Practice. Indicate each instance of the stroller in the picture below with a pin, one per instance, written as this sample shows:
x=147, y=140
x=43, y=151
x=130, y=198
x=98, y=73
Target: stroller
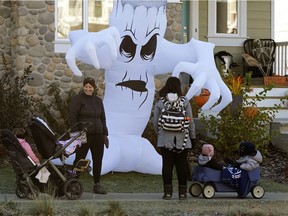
x=62, y=180
x=207, y=181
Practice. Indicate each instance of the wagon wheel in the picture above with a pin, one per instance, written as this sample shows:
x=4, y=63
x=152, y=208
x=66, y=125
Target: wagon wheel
x=73, y=189
x=195, y=189
x=208, y=190
x=258, y=192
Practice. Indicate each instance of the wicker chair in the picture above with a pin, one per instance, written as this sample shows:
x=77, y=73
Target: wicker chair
x=258, y=56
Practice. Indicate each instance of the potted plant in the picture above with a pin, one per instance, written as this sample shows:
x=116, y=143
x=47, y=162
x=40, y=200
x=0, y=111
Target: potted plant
x=276, y=80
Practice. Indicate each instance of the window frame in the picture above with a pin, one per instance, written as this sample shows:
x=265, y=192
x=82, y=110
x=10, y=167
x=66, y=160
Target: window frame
x=62, y=45
x=220, y=39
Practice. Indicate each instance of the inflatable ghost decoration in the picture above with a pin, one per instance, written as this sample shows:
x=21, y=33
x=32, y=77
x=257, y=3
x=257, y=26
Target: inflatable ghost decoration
x=132, y=50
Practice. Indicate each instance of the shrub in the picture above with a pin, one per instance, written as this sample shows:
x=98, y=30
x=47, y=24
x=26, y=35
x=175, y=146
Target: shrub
x=17, y=106
x=59, y=102
x=235, y=124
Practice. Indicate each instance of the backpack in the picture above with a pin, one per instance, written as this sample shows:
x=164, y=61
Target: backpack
x=173, y=116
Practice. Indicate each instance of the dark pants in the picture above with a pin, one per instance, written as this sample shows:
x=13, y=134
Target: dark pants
x=95, y=142
x=171, y=159
x=243, y=184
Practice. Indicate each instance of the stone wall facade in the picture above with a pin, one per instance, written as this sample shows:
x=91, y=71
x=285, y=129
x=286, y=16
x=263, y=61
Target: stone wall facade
x=27, y=31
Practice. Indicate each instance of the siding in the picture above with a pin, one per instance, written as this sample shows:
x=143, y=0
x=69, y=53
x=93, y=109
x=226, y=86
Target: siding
x=259, y=19
x=258, y=26
x=203, y=20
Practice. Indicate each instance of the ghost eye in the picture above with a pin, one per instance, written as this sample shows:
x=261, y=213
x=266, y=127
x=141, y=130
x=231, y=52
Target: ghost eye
x=127, y=48
x=148, y=50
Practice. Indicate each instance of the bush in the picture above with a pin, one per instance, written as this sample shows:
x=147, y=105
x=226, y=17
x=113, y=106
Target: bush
x=17, y=107
x=235, y=124
x=59, y=102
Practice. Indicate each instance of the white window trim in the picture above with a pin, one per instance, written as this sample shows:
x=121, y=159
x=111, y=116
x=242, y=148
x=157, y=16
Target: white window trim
x=227, y=39
x=62, y=45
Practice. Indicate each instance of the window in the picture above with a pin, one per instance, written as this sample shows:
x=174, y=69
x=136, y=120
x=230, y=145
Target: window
x=92, y=15
x=227, y=22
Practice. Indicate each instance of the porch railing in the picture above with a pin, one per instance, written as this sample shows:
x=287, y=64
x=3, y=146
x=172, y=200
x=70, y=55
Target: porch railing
x=281, y=59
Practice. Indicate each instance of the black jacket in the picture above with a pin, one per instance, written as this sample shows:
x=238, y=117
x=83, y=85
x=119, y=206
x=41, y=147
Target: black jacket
x=88, y=108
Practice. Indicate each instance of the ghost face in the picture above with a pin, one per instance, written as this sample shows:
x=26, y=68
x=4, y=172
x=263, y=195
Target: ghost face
x=141, y=29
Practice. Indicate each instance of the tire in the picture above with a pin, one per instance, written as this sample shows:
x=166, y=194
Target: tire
x=208, y=191
x=258, y=192
x=29, y=194
x=20, y=192
x=195, y=189
x=73, y=189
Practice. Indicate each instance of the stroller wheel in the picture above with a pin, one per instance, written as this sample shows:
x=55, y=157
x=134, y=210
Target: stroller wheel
x=29, y=194
x=258, y=192
x=195, y=189
x=208, y=190
x=19, y=191
x=73, y=189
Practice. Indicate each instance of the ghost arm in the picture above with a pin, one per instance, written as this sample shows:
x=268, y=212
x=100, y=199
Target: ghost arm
x=205, y=75
x=95, y=48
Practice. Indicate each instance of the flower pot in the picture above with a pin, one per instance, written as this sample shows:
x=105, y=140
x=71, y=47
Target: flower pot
x=276, y=80
x=200, y=100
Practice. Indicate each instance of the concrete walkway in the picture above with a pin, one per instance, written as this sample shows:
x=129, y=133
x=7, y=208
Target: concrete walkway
x=153, y=197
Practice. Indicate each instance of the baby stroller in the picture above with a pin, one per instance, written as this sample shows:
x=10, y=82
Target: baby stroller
x=61, y=178
x=207, y=181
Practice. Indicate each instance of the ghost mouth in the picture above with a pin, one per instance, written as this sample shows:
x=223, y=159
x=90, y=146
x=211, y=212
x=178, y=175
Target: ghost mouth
x=134, y=85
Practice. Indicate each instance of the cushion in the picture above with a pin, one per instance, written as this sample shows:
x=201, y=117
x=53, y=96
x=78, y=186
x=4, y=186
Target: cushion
x=251, y=61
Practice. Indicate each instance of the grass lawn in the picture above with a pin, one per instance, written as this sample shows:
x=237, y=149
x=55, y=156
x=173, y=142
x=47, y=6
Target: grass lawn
x=123, y=182
x=137, y=182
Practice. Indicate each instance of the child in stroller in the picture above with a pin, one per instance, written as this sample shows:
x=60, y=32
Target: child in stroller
x=233, y=178
x=61, y=182
x=21, y=134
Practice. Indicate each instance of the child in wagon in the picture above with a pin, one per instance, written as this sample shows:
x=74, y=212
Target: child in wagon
x=250, y=159
x=206, y=158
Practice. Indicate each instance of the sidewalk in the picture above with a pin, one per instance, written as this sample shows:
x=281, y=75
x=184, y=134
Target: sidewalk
x=153, y=197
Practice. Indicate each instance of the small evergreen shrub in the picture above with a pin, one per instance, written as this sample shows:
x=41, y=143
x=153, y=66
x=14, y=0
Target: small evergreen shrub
x=59, y=102
x=17, y=106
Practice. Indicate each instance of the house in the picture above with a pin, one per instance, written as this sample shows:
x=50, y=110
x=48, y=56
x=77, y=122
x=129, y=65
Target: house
x=35, y=32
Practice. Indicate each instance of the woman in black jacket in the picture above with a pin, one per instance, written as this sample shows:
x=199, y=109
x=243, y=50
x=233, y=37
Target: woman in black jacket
x=87, y=107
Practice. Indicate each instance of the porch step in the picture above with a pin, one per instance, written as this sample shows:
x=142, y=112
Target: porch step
x=273, y=97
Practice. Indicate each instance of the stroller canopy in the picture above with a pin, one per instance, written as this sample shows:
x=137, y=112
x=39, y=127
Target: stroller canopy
x=43, y=136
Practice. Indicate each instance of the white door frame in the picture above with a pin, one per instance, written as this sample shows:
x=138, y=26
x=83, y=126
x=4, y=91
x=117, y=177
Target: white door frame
x=194, y=19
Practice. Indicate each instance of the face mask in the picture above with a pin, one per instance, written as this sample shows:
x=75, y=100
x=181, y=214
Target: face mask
x=172, y=97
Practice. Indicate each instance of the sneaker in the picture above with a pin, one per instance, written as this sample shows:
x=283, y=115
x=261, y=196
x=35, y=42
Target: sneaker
x=98, y=189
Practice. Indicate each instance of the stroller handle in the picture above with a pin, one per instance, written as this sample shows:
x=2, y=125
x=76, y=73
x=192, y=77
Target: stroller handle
x=79, y=126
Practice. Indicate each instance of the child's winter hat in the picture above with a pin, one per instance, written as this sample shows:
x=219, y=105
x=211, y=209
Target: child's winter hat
x=208, y=150
x=89, y=80
x=247, y=148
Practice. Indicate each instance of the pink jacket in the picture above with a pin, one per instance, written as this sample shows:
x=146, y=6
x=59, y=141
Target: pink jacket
x=25, y=145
